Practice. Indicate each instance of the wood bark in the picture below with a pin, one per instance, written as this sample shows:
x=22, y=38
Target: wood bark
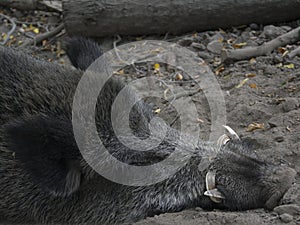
x=33, y=4
x=138, y=17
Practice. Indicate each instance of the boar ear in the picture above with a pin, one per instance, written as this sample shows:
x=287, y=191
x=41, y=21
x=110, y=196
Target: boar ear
x=46, y=148
x=82, y=52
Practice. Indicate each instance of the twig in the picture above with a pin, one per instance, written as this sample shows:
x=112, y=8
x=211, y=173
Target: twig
x=175, y=120
x=116, y=50
x=12, y=30
x=183, y=94
x=44, y=36
x=295, y=52
x=229, y=56
x=173, y=97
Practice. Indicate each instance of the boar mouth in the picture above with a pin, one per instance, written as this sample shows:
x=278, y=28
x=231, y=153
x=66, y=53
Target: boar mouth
x=211, y=191
x=210, y=179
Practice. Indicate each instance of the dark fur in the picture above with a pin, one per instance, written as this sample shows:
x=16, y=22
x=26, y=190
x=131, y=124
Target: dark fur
x=82, y=52
x=45, y=180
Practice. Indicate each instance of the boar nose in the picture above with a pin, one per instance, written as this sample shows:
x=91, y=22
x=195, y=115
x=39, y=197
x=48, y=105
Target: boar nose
x=282, y=180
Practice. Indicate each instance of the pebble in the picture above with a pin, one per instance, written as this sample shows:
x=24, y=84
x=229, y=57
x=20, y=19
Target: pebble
x=254, y=26
x=251, y=43
x=216, y=37
x=277, y=59
x=198, y=46
x=273, y=32
x=245, y=36
x=286, y=28
x=286, y=218
x=198, y=209
x=269, y=70
x=290, y=104
x=215, y=47
x=279, y=139
x=205, y=55
x=186, y=41
x=291, y=209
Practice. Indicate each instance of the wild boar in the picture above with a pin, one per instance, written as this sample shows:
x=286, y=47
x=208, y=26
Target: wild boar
x=45, y=179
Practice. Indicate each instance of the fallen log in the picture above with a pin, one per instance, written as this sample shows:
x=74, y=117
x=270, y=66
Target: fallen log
x=139, y=17
x=52, y=5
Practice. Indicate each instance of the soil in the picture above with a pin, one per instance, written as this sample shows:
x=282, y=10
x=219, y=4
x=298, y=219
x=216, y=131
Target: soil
x=262, y=98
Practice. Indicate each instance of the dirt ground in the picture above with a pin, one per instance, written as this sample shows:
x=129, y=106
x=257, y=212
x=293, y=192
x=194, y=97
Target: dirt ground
x=263, y=93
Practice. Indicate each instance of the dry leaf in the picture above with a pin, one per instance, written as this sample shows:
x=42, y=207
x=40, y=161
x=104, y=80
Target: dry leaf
x=219, y=70
x=178, y=76
x=289, y=66
x=44, y=42
x=230, y=41
x=120, y=72
x=240, y=45
x=200, y=120
x=252, y=61
x=255, y=126
x=253, y=85
x=156, y=67
x=250, y=75
x=281, y=50
x=157, y=111
x=279, y=65
x=242, y=83
x=36, y=30
x=285, y=53
x=165, y=93
x=139, y=38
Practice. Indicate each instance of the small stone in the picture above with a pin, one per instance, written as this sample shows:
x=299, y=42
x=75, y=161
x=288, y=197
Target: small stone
x=205, y=55
x=277, y=59
x=215, y=47
x=269, y=70
x=186, y=41
x=286, y=28
x=198, y=209
x=245, y=36
x=198, y=46
x=286, y=218
x=291, y=209
x=254, y=26
x=216, y=37
x=273, y=32
x=290, y=104
x=251, y=43
x=18, y=14
x=279, y=139
x=273, y=123
x=53, y=20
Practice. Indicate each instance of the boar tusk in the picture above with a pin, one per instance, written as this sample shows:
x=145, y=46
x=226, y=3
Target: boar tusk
x=213, y=193
x=232, y=133
x=223, y=140
x=210, y=180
